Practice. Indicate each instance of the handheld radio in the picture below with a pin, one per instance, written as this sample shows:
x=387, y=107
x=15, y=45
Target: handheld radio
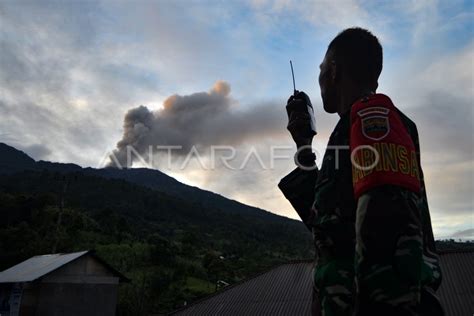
x=309, y=107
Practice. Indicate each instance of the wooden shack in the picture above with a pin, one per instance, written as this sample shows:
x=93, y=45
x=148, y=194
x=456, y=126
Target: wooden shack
x=77, y=283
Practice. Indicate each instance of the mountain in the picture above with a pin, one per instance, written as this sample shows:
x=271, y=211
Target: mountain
x=172, y=240
x=13, y=160
x=159, y=181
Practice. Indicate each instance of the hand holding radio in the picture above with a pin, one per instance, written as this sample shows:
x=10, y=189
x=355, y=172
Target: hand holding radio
x=301, y=122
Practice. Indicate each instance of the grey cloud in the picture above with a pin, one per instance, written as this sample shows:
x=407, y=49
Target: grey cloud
x=201, y=119
x=168, y=45
x=437, y=94
x=37, y=151
x=464, y=233
x=47, y=134
x=439, y=98
x=51, y=58
x=114, y=55
x=26, y=69
x=445, y=125
x=39, y=42
x=450, y=187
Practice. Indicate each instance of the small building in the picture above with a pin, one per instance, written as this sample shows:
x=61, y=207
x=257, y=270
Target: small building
x=287, y=290
x=77, y=283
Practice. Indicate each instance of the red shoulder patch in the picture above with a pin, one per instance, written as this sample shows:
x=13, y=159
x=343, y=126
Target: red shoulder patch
x=382, y=151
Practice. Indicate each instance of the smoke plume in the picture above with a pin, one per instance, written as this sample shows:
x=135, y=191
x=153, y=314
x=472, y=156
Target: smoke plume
x=201, y=119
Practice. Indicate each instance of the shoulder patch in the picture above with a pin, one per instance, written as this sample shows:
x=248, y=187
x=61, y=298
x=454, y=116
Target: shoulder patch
x=374, y=122
x=382, y=151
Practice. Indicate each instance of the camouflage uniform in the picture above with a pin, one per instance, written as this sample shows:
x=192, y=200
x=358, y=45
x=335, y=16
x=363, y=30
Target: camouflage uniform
x=381, y=237
x=333, y=226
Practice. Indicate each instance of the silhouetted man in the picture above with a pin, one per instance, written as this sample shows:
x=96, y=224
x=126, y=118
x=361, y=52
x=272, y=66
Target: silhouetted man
x=366, y=207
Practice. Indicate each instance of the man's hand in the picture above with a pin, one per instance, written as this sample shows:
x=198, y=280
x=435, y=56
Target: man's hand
x=299, y=120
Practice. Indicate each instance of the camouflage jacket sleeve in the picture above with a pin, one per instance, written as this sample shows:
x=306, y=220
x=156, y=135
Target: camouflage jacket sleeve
x=388, y=187
x=298, y=188
x=431, y=270
x=389, y=243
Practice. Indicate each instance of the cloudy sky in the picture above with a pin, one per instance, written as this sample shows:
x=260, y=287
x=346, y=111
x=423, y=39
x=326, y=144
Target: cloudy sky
x=78, y=77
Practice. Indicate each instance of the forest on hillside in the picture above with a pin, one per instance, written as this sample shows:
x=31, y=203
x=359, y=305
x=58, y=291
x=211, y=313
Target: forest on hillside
x=174, y=251
x=174, y=242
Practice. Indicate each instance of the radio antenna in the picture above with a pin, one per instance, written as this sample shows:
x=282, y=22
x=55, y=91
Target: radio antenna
x=293, y=76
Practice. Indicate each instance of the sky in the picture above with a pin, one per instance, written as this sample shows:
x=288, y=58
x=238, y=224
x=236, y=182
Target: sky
x=80, y=79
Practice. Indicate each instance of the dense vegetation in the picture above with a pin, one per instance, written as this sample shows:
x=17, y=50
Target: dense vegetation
x=453, y=245
x=174, y=242
x=173, y=250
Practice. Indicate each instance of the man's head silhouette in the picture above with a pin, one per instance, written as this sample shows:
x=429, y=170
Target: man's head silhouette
x=351, y=67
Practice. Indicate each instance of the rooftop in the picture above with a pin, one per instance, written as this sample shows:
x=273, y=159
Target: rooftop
x=287, y=289
x=39, y=266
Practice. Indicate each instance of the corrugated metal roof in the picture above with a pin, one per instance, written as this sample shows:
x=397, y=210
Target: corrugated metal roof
x=457, y=287
x=287, y=290
x=284, y=290
x=38, y=266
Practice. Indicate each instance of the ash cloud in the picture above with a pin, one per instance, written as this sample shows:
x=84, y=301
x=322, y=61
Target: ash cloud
x=200, y=119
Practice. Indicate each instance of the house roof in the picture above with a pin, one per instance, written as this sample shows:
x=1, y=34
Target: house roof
x=39, y=266
x=287, y=289
x=284, y=290
x=457, y=287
